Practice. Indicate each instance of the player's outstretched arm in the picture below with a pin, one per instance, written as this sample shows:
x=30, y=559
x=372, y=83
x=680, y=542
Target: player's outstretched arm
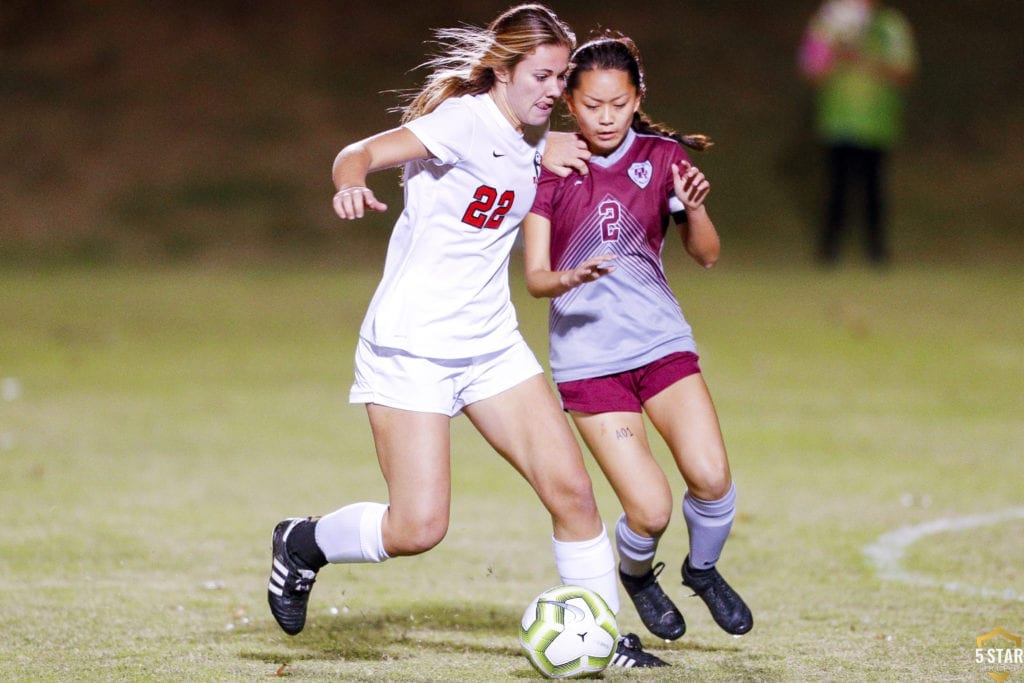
x=384, y=150
x=541, y=281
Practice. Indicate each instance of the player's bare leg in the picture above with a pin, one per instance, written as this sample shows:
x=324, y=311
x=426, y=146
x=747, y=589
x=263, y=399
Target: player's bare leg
x=685, y=416
x=413, y=452
x=618, y=441
x=413, y=449
x=526, y=425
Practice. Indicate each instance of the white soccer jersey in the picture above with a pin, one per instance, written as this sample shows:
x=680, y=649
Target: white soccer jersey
x=445, y=292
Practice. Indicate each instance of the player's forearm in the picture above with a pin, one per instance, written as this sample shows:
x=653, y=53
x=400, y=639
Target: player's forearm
x=384, y=150
x=351, y=166
x=700, y=238
x=547, y=283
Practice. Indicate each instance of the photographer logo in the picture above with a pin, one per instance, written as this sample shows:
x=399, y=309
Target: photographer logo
x=999, y=650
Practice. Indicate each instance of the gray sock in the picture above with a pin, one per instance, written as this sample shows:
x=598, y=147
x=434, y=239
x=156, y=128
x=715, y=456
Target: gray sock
x=636, y=552
x=709, y=523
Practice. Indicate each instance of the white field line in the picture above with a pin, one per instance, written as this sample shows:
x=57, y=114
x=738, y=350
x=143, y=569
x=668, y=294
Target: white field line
x=886, y=553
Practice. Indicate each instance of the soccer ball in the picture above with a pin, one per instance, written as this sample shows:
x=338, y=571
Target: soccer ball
x=568, y=631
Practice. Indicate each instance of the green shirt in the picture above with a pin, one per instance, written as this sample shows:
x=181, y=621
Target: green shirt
x=857, y=104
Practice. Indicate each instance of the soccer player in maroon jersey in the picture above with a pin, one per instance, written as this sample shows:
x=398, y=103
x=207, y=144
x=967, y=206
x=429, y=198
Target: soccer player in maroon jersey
x=620, y=345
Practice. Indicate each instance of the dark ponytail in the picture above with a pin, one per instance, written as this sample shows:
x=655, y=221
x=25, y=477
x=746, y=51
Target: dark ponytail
x=695, y=141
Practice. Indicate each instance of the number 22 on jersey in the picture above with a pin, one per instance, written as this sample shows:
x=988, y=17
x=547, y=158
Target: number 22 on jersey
x=488, y=209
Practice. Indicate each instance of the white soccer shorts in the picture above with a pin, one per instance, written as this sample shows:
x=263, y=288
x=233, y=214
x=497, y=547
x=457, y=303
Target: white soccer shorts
x=394, y=378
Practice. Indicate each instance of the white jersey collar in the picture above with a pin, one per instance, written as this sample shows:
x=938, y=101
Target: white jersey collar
x=619, y=152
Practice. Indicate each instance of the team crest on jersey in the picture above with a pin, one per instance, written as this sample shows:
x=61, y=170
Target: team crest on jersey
x=640, y=173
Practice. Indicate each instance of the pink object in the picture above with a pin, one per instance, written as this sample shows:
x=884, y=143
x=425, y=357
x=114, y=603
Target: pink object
x=815, y=56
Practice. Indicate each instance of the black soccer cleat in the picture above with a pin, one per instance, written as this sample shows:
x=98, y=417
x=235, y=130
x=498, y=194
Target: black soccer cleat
x=290, y=581
x=656, y=610
x=630, y=654
x=726, y=606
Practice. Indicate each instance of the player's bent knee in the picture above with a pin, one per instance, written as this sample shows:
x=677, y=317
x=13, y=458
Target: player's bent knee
x=417, y=539
x=414, y=545
x=577, y=495
x=650, y=522
x=712, y=491
x=711, y=484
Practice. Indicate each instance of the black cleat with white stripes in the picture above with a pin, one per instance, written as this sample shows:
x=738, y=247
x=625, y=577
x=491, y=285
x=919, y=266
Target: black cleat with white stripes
x=290, y=581
x=630, y=654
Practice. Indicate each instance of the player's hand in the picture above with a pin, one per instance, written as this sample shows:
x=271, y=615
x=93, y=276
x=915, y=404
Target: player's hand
x=353, y=202
x=565, y=153
x=690, y=184
x=592, y=269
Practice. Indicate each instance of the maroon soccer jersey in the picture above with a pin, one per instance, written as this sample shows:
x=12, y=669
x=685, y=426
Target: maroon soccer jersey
x=630, y=317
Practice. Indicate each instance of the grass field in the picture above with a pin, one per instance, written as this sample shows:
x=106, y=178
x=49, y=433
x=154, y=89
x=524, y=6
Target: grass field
x=155, y=424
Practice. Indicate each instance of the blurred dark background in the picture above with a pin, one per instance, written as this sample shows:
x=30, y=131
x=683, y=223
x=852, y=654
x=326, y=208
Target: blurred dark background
x=205, y=131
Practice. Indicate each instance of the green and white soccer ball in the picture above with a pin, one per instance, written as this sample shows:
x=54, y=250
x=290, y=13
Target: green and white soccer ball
x=568, y=631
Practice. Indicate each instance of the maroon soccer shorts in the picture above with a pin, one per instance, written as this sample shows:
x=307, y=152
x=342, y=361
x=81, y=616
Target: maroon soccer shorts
x=627, y=391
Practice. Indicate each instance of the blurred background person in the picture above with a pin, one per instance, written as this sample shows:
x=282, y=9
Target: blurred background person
x=860, y=56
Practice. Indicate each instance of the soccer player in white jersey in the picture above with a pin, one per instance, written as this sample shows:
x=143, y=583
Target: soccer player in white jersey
x=441, y=337
x=620, y=345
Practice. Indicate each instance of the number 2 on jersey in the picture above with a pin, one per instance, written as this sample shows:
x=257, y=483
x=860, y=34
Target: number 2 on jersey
x=609, y=213
x=487, y=210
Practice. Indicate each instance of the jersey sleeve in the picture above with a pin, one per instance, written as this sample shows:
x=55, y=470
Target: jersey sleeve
x=446, y=132
x=543, y=203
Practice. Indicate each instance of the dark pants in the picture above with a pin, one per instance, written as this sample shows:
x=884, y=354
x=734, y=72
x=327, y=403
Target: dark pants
x=855, y=169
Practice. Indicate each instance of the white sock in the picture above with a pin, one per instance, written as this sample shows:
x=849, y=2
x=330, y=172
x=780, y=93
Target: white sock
x=636, y=552
x=590, y=564
x=352, y=534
